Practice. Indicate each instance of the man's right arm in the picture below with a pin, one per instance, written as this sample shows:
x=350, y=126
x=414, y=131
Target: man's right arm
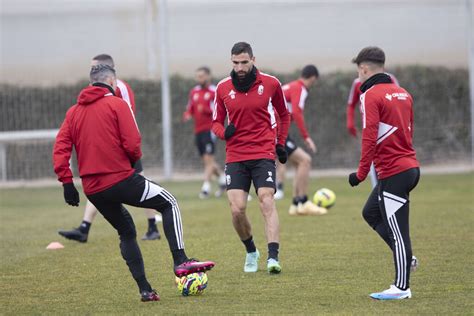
x=218, y=116
x=128, y=130
x=188, y=113
x=370, y=124
x=62, y=151
x=352, y=101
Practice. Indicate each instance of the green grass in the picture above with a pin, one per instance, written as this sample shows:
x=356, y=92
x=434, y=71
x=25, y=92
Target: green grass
x=330, y=263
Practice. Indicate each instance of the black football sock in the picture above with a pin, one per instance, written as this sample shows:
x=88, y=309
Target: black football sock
x=152, y=225
x=303, y=199
x=273, y=250
x=84, y=227
x=179, y=256
x=249, y=245
x=143, y=284
x=296, y=200
x=280, y=186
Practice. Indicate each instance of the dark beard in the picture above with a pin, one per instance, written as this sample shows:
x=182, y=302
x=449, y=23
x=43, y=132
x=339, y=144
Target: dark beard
x=244, y=84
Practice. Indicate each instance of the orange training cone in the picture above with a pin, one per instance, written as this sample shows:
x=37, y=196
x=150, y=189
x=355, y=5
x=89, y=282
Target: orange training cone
x=55, y=245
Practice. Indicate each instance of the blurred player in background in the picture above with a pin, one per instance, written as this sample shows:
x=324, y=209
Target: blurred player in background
x=102, y=129
x=387, y=141
x=200, y=107
x=296, y=93
x=81, y=233
x=352, y=101
x=249, y=99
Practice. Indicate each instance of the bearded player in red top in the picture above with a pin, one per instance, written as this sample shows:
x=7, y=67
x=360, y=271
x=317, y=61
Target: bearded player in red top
x=387, y=141
x=200, y=107
x=352, y=101
x=249, y=99
x=296, y=93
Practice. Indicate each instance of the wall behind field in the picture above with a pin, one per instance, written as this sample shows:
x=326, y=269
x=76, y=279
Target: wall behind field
x=51, y=41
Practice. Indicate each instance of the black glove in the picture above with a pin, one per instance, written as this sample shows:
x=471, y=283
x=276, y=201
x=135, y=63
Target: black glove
x=229, y=131
x=282, y=154
x=353, y=180
x=71, y=196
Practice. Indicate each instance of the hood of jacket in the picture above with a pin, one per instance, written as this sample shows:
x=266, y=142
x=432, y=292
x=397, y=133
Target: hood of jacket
x=93, y=93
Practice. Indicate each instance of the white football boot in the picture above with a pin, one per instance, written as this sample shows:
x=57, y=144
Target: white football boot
x=251, y=261
x=393, y=293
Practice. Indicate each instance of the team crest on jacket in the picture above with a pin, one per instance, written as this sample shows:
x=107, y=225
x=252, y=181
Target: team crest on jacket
x=260, y=90
x=207, y=95
x=232, y=94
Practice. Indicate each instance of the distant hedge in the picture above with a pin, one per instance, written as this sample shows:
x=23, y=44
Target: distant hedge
x=442, y=118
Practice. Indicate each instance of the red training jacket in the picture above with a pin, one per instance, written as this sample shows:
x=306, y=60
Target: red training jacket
x=354, y=98
x=387, y=131
x=253, y=114
x=103, y=131
x=200, y=106
x=126, y=93
x=295, y=95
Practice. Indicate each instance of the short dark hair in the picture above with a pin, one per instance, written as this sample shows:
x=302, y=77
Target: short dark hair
x=370, y=54
x=100, y=72
x=105, y=59
x=309, y=71
x=206, y=69
x=240, y=48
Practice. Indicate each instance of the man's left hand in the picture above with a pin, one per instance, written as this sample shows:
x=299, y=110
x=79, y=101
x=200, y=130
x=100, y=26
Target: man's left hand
x=353, y=180
x=281, y=153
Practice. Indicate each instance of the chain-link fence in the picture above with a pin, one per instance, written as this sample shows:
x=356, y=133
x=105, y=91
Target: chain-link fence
x=442, y=121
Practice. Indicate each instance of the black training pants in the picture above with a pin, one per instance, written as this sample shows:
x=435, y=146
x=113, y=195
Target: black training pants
x=387, y=212
x=140, y=192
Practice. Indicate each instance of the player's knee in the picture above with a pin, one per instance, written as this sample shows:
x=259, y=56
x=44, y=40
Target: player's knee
x=307, y=160
x=128, y=233
x=237, y=208
x=369, y=218
x=266, y=200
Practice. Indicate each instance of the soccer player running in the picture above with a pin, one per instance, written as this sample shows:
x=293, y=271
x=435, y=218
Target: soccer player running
x=296, y=93
x=81, y=233
x=249, y=98
x=200, y=107
x=387, y=140
x=352, y=101
x=102, y=129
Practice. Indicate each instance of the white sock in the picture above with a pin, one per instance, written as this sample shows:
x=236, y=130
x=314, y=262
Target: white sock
x=206, y=186
x=222, y=179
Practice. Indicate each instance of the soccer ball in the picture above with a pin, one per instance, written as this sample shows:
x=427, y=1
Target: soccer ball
x=324, y=198
x=192, y=284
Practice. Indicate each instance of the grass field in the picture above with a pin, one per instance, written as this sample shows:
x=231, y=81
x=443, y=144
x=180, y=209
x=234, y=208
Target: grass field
x=330, y=263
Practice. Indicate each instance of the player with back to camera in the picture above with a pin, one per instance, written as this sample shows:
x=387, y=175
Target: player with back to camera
x=296, y=93
x=249, y=99
x=81, y=233
x=200, y=107
x=102, y=130
x=352, y=101
x=387, y=140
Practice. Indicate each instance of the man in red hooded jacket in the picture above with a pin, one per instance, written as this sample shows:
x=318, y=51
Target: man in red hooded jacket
x=81, y=233
x=387, y=141
x=102, y=129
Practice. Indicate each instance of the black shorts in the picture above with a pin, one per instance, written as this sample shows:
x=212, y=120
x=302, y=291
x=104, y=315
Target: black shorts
x=261, y=172
x=138, y=166
x=290, y=145
x=206, y=143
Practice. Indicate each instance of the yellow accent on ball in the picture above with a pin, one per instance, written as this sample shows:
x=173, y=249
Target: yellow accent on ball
x=192, y=284
x=324, y=198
